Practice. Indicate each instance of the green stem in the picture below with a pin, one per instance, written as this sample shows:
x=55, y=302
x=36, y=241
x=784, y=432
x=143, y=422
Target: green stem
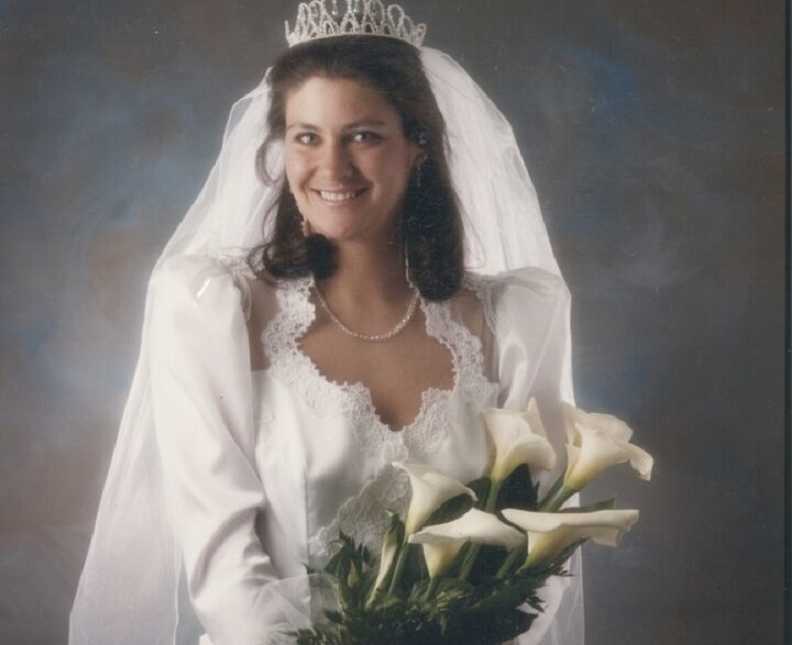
x=372, y=597
x=551, y=493
x=508, y=563
x=492, y=496
x=489, y=507
x=430, y=591
x=401, y=560
x=555, y=500
x=375, y=593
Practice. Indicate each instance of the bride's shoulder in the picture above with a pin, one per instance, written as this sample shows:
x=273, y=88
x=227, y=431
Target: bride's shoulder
x=190, y=270
x=527, y=295
x=529, y=282
x=198, y=276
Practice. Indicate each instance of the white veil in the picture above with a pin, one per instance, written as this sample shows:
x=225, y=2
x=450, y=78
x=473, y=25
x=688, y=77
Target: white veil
x=129, y=588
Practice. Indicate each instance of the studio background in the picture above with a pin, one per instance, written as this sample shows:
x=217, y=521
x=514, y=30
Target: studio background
x=654, y=132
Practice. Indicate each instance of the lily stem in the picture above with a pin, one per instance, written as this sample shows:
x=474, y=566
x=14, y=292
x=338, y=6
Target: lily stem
x=492, y=495
x=432, y=588
x=374, y=596
x=508, y=563
x=555, y=500
x=489, y=507
x=551, y=493
x=401, y=560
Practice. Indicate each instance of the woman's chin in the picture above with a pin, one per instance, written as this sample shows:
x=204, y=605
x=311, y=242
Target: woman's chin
x=343, y=236
x=343, y=227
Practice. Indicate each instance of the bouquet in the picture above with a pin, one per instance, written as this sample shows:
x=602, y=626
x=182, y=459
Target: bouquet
x=467, y=558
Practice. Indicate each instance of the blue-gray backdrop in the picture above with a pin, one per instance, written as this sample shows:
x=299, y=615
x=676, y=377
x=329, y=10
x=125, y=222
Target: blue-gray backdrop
x=655, y=135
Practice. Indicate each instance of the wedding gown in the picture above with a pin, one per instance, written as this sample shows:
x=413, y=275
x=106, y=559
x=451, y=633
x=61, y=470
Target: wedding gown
x=261, y=469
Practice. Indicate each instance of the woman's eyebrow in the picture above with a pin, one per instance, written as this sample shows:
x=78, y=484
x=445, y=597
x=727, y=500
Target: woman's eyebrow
x=302, y=126
x=365, y=123
x=351, y=126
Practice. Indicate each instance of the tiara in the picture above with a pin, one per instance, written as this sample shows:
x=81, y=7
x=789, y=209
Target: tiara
x=323, y=19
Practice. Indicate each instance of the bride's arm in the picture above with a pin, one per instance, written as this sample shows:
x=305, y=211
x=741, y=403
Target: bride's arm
x=201, y=395
x=530, y=311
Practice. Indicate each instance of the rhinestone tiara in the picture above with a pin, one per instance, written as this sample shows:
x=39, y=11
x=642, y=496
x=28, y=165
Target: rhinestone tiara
x=323, y=19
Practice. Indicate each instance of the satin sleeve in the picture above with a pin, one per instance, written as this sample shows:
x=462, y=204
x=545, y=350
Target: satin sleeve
x=203, y=415
x=529, y=312
x=529, y=315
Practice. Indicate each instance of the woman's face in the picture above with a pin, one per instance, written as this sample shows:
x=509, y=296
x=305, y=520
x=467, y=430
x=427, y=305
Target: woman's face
x=348, y=161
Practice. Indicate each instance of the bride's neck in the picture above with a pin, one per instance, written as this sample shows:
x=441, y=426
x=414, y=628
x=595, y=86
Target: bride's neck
x=368, y=275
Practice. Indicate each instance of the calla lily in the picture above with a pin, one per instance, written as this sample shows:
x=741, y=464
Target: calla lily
x=439, y=556
x=430, y=489
x=597, y=441
x=442, y=542
x=390, y=549
x=519, y=438
x=551, y=533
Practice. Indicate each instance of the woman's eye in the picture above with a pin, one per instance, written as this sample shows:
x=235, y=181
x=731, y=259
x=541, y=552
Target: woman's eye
x=366, y=137
x=305, y=138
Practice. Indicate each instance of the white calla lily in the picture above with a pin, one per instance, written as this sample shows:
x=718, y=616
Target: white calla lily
x=597, y=441
x=442, y=542
x=551, y=533
x=519, y=438
x=440, y=555
x=390, y=549
x=430, y=489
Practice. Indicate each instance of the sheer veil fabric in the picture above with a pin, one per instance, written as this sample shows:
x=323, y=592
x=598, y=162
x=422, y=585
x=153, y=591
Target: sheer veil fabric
x=128, y=592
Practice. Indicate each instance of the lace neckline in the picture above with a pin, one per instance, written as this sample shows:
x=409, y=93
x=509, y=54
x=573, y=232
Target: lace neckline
x=421, y=440
x=282, y=339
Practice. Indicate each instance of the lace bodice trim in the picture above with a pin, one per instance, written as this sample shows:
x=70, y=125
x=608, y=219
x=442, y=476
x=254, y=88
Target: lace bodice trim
x=361, y=516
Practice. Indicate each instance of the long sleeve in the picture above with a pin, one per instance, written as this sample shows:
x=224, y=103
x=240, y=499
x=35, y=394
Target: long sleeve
x=203, y=415
x=530, y=312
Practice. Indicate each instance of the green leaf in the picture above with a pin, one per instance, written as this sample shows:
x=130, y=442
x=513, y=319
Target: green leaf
x=335, y=616
x=481, y=487
x=414, y=567
x=518, y=491
x=488, y=561
x=396, y=526
x=460, y=612
x=450, y=510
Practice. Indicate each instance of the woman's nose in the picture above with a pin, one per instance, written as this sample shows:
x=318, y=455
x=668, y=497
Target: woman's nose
x=336, y=162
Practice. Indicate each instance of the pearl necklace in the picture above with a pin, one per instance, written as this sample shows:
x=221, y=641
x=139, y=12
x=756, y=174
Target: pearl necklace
x=376, y=338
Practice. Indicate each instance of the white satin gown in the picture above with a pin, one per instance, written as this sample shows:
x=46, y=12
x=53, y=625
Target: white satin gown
x=262, y=469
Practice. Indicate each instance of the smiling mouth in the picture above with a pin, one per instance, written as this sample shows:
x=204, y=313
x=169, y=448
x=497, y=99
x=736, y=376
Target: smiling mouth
x=339, y=197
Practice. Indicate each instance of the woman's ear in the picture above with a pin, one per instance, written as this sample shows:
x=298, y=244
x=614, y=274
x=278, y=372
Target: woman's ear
x=419, y=157
x=418, y=152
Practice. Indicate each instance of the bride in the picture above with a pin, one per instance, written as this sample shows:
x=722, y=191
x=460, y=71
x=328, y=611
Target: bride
x=365, y=269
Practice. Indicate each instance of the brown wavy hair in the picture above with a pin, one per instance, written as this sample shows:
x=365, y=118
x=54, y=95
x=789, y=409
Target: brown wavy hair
x=431, y=227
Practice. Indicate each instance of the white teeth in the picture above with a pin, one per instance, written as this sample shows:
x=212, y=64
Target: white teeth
x=337, y=197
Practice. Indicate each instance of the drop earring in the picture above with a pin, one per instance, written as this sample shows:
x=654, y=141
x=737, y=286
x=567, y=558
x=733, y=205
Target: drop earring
x=305, y=225
x=406, y=250
x=419, y=171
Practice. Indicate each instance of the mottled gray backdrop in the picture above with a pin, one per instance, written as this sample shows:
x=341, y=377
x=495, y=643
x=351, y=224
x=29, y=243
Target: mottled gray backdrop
x=654, y=132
